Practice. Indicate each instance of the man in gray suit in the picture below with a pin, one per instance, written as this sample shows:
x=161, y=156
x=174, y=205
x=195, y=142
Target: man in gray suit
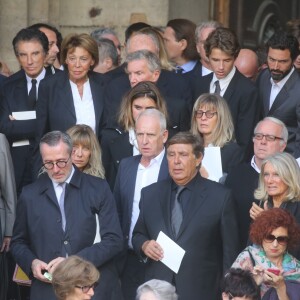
x=279, y=87
x=134, y=173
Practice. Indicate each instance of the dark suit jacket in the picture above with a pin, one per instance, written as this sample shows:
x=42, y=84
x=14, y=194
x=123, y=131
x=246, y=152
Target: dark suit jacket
x=38, y=231
x=125, y=186
x=2, y=79
x=175, y=90
x=14, y=98
x=231, y=155
x=286, y=107
x=241, y=97
x=55, y=107
x=243, y=180
x=208, y=234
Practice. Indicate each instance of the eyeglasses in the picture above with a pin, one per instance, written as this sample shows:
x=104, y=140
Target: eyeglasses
x=209, y=114
x=282, y=240
x=86, y=288
x=269, y=138
x=60, y=163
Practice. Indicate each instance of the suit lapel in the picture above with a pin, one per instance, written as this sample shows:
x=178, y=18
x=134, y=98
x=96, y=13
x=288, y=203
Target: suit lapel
x=164, y=170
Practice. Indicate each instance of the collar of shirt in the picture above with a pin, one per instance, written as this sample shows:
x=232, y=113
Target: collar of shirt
x=283, y=81
x=189, y=66
x=190, y=185
x=55, y=184
x=254, y=165
x=156, y=160
x=205, y=71
x=224, y=82
x=38, y=79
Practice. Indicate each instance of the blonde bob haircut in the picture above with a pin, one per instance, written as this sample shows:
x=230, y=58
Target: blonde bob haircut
x=144, y=89
x=84, y=135
x=288, y=171
x=71, y=272
x=83, y=40
x=224, y=130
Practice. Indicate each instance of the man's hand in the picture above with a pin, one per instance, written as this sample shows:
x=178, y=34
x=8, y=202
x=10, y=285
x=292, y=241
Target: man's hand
x=54, y=263
x=5, y=244
x=37, y=267
x=153, y=250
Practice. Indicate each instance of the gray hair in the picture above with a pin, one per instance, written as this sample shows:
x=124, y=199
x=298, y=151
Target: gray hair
x=53, y=138
x=107, y=49
x=162, y=290
x=203, y=25
x=284, y=131
x=99, y=33
x=288, y=171
x=153, y=112
x=152, y=59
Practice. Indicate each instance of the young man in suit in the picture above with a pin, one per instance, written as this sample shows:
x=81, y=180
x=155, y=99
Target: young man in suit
x=222, y=48
x=56, y=218
x=201, y=220
x=134, y=173
x=19, y=94
x=279, y=87
x=243, y=179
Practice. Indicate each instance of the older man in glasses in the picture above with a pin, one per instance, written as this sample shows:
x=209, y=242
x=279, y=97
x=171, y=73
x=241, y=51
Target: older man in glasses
x=56, y=218
x=270, y=136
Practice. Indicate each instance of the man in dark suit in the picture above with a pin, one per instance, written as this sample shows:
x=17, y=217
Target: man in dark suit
x=202, y=220
x=279, y=87
x=56, y=218
x=134, y=173
x=2, y=79
x=169, y=84
x=19, y=94
x=222, y=48
x=270, y=137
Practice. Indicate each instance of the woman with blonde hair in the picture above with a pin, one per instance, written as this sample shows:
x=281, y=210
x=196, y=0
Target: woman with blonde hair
x=75, y=279
x=212, y=121
x=86, y=154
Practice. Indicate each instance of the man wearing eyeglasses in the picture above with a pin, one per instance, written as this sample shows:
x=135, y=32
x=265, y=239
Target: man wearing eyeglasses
x=56, y=218
x=270, y=136
x=279, y=87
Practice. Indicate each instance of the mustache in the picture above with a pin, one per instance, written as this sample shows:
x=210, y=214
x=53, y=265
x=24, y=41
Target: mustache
x=276, y=71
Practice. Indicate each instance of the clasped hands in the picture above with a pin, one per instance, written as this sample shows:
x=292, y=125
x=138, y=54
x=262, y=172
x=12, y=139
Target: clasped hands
x=262, y=275
x=38, y=267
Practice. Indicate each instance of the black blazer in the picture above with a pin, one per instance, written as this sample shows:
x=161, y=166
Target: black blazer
x=14, y=98
x=55, y=106
x=175, y=90
x=38, y=232
x=286, y=107
x=208, y=234
x=2, y=79
x=231, y=155
x=241, y=97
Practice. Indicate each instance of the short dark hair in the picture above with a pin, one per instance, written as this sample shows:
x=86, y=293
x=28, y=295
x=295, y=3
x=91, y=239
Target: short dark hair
x=27, y=35
x=189, y=139
x=185, y=30
x=53, y=138
x=134, y=28
x=282, y=41
x=240, y=283
x=224, y=39
x=271, y=219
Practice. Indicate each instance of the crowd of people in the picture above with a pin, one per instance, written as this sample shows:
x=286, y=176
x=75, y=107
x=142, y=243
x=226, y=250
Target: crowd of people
x=163, y=169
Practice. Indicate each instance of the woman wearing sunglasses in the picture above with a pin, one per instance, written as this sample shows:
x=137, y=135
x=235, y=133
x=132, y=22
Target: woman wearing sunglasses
x=212, y=121
x=279, y=186
x=274, y=233
x=75, y=279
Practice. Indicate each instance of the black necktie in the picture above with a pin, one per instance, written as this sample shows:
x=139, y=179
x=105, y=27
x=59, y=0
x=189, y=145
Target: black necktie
x=176, y=218
x=32, y=95
x=218, y=88
x=179, y=70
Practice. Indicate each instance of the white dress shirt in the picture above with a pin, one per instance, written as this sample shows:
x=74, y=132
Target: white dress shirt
x=224, y=82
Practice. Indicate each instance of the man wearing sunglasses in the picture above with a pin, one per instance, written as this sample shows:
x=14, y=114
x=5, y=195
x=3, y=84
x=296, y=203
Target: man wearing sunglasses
x=270, y=136
x=56, y=218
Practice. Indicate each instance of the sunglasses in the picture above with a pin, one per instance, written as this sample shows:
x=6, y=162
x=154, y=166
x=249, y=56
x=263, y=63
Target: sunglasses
x=282, y=240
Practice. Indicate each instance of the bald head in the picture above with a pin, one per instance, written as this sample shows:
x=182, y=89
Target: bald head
x=141, y=41
x=247, y=63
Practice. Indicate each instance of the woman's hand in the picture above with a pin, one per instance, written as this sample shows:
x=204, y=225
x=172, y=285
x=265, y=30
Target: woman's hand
x=255, y=211
x=258, y=274
x=203, y=172
x=277, y=281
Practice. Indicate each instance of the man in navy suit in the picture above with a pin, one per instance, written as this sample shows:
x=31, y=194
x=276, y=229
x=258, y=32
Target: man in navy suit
x=56, y=218
x=134, y=173
x=202, y=220
x=31, y=48
x=222, y=48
